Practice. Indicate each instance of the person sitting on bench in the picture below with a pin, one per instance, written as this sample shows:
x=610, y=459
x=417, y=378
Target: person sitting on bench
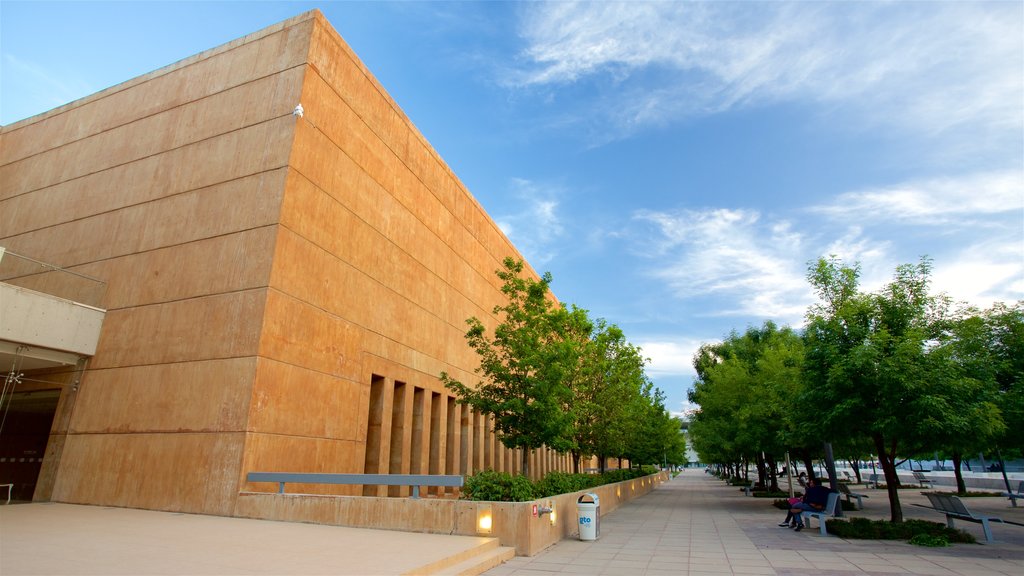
x=814, y=500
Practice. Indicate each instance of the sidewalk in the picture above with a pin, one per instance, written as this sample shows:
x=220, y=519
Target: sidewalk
x=57, y=539
x=692, y=525
x=696, y=524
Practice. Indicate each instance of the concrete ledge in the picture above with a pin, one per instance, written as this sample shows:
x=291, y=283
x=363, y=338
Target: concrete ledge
x=519, y=525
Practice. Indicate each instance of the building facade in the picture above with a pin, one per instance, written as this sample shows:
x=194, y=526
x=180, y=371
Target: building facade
x=280, y=290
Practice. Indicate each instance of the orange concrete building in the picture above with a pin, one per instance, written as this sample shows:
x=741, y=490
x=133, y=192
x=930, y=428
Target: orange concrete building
x=276, y=291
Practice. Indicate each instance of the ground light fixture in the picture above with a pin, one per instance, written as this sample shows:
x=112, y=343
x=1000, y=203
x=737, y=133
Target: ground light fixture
x=484, y=518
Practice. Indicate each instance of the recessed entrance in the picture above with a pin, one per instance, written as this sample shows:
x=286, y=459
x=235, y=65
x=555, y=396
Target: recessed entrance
x=25, y=421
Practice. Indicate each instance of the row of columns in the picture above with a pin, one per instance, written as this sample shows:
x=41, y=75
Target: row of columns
x=412, y=430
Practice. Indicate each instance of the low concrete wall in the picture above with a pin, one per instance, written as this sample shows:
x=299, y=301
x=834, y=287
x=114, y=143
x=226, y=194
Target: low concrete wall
x=515, y=524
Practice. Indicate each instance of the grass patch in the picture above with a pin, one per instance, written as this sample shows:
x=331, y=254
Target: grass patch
x=921, y=530
x=968, y=494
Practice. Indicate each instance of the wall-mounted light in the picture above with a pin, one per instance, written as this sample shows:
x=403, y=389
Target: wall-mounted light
x=484, y=519
x=548, y=508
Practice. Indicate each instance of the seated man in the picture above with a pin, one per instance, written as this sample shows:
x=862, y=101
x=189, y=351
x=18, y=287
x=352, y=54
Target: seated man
x=814, y=500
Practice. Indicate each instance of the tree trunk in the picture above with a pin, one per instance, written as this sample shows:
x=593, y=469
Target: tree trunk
x=855, y=464
x=525, y=462
x=575, y=461
x=773, y=478
x=892, y=481
x=961, y=487
x=808, y=464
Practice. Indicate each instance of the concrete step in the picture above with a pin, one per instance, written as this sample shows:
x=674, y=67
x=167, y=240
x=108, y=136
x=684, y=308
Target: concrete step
x=480, y=563
x=469, y=562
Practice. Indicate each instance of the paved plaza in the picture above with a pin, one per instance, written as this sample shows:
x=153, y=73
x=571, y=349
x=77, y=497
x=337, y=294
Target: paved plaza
x=694, y=524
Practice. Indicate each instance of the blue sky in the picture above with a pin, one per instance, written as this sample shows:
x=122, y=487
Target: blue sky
x=674, y=165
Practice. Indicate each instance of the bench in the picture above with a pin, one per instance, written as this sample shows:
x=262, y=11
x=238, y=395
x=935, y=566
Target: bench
x=1013, y=496
x=414, y=480
x=829, y=510
x=921, y=480
x=953, y=507
x=848, y=494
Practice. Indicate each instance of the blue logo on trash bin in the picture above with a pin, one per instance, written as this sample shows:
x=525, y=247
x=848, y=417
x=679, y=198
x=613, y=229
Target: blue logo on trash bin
x=585, y=520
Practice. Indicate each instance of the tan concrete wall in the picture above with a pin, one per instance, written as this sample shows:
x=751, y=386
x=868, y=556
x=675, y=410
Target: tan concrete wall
x=168, y=188
x=513, y=523
x=262, y=271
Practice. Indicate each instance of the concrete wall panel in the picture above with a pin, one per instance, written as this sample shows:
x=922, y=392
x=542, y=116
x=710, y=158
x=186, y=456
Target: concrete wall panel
x=182, y=472
x=253, y=57
x=178, y=331
x=238, y=154
x=281, y=391
x=281, y=453
x=206, y=396
x=241, y=107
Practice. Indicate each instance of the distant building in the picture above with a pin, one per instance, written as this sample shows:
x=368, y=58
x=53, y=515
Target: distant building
x=266, y=287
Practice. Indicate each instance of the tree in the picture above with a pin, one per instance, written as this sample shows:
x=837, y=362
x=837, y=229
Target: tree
x=866, y=364
x=748, y=382
x=962, y=412
x=608, y=377
x=1006, y=345
x=523, y=367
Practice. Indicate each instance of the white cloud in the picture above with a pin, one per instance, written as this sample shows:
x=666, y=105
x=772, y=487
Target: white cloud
x=537, y=227
x=47, y=87
x=731, y=254
x=669, y=357
x=983, y=273
x=927, y=66
x=948, y=201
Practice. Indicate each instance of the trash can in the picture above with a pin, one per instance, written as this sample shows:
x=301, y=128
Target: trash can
x=588, y=511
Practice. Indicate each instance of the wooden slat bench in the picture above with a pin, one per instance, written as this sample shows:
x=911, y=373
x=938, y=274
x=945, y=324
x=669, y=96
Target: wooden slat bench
x=414, y=480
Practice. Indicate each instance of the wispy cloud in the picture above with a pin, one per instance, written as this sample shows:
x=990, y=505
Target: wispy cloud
x=669, y=356
x=956, y=201
x=537, y=227
x=731, y=254
x=49, y=88
x=927, y=66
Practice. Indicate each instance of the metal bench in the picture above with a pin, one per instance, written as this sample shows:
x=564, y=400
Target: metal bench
x=921, y=480
x=828, y=511
x=414, y=480
x=1013, y=496
x=848, y=494
x=953, y=507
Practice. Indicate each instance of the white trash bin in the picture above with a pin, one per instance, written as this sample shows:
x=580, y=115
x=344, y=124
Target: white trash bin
x=588, y=512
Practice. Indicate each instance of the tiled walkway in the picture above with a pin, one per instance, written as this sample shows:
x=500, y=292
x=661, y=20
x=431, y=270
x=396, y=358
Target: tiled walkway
x=692, y=525
x=695, y=524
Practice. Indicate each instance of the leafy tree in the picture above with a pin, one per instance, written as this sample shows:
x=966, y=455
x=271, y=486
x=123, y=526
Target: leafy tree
x=962, y=415
x=748, y=383
x=522, y=366
x=866, y=365
x=1006, y=345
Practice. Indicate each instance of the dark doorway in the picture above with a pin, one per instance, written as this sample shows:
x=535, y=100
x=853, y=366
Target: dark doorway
x=26, y=420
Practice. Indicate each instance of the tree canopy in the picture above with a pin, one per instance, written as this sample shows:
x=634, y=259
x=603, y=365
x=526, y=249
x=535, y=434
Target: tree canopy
x=895, y=370
x=551, y=376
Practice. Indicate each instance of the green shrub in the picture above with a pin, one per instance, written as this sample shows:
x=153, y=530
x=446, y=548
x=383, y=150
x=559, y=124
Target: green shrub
x=555, y=483
x=929, y=540
x=498, y=487
x=494, y=486
x=866, y=529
